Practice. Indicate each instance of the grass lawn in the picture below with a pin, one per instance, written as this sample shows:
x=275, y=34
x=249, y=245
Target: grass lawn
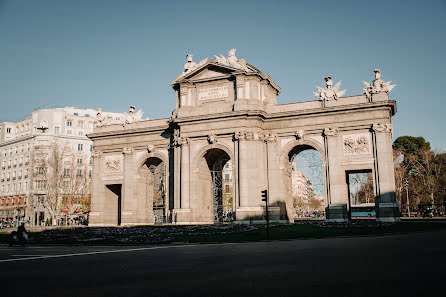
x=219, y=233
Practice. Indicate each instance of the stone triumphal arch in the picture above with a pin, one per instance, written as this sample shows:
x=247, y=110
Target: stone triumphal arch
x=228, y=140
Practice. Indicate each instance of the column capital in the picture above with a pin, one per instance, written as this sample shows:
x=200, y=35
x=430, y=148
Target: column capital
x=382, y=127
x=127, y=150
x=330, y=132
x=269, y=137
x=96, y=154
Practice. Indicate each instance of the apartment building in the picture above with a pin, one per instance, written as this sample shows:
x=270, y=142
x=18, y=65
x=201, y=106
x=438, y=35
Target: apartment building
x=22, y=191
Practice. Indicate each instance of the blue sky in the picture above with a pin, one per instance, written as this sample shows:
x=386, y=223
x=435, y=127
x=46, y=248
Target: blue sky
x=110, y=54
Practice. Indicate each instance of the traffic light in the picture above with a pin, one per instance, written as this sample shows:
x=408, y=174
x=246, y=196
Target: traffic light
x=265, y=195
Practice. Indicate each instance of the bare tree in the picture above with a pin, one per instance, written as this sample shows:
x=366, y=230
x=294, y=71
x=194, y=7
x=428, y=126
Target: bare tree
x=48, y=173
x=62, y=177
x=76, y=185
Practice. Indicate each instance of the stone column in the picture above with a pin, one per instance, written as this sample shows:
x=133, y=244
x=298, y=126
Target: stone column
x=185, y=173
x=252, y=176
x=277, y=207
x=387, y=209
x=181, y=194
x=128, y=197
x=335, y=177
x=242, y=178
x=97, y=191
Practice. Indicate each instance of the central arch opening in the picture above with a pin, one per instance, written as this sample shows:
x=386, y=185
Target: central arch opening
x=307, y=183
x=220, y=169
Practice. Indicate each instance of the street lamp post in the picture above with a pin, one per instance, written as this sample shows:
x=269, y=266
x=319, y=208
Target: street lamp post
x=406, y=183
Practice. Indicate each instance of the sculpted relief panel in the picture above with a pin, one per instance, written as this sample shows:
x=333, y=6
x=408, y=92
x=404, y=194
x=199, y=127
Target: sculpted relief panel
x=113, y=164
x=356, y=144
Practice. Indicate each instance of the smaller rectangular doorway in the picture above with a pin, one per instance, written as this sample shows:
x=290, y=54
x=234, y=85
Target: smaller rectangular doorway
x=115, y=205
x=361, y=194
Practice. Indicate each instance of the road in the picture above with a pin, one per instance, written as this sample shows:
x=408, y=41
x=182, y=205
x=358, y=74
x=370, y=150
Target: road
x=391, y=265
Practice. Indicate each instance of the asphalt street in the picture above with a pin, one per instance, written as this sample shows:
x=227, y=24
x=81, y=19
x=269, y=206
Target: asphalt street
x=391, y=265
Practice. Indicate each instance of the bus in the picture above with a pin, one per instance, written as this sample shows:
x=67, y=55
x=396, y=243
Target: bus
x=364, y=210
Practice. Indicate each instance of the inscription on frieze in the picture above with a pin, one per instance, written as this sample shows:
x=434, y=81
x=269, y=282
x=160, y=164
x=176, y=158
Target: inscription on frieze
x=356, y=144
x=213, y=93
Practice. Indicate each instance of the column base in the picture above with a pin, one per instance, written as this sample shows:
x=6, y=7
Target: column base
x=388, y=212
x=256, y=213
x=336, y=213
x=181, y=216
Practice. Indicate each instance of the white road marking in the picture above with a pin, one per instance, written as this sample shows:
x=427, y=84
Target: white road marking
x=28, y=255
x=103, y=252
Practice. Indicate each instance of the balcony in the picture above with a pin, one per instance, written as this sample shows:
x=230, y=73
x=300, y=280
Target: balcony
x=9, y=166
x=8, y=179
x=13, y=178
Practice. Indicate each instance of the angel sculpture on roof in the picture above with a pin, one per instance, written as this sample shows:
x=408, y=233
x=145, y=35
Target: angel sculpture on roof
x=329, y=92
x=377, y=85
x=232, y=61
x=101, y=119
x=132, y=116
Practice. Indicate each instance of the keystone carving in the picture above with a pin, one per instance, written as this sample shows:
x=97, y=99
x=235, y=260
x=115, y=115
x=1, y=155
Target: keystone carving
x=299, y=134
x=150, y=148
x=212, y=138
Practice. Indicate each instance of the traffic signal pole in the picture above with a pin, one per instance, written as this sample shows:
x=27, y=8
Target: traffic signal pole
x=265, y=198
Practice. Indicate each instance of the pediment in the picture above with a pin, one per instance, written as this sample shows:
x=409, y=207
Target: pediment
x=207, y=71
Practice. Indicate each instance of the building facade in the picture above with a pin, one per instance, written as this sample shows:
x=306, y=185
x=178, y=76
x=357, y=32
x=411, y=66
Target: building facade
x=170, y=170
x=22, y=185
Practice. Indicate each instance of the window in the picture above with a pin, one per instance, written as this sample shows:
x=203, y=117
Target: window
x=76, y=114
x=66, y=172
x=69, y=123
x=69, y=132
x=65, y=184
x=80, y=124
x=40, y=170
x=40, y=184
x=56, y=130
x=79, y=173
x=8, y=130
x=227, y=176
x=87, y=115
x=91, y=147
x=79, y=160
x=80, y=133
x=91, y=160
x=89, y=173
x=80, y=146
